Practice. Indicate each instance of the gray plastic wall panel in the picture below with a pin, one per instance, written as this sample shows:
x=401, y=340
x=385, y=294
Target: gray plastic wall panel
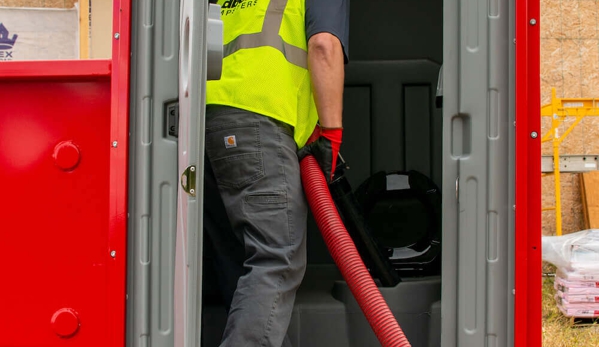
x=449, y=254
x=434, y=327
x=419, y=116
x=476, y=147
x=396, y=30
x=390, y=119
x=390, y=123
x=153, y=178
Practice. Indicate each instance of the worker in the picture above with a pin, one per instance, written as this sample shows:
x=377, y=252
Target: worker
x=283, y=71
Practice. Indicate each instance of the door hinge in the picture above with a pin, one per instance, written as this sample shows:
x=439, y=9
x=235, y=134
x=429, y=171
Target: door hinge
x=188, y=180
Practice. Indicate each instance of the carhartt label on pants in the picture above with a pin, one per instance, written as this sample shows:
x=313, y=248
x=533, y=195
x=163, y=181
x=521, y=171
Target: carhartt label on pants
x=230, y=141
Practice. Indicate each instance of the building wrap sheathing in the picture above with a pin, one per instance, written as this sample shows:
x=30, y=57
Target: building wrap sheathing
x=570, y=64
x=38, y=33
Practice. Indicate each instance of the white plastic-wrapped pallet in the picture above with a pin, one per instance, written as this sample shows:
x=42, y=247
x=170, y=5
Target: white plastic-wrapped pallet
x=576, y=256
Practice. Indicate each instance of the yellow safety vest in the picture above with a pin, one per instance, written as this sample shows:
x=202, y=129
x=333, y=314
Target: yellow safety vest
x=265, y=65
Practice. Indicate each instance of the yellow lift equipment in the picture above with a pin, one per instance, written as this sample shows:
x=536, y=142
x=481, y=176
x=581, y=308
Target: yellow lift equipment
x=559, y=110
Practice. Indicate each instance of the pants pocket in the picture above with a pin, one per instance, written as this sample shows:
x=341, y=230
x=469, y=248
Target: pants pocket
x=268, y=217
x=235, y=154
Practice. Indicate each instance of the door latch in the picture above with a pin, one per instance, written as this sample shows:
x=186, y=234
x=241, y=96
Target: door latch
x=457, y=189
x=172, y=119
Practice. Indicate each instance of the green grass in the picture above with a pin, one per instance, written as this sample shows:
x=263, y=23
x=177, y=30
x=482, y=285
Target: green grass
x=557, y=329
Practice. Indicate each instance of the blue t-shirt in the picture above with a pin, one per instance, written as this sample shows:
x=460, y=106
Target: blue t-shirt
x=330, y=16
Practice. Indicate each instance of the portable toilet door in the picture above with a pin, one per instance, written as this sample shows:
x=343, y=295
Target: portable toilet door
x=176, y=47
x=498, y=289
x=491, y=178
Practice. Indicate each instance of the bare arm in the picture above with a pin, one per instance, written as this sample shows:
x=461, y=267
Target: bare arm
x=326, y=65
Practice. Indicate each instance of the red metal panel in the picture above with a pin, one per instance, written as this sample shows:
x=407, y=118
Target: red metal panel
x=528, y=177
x=119, y=130
x=54, y=170
x=55, y=69
x=63, y=179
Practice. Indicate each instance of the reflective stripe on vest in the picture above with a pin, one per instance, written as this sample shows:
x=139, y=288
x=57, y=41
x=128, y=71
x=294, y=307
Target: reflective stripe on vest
x=269, y=36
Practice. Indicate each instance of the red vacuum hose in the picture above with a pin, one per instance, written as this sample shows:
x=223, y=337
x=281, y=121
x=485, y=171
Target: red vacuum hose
x=345, y=254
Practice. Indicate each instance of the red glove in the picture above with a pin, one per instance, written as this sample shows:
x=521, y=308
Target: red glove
x=325, y=149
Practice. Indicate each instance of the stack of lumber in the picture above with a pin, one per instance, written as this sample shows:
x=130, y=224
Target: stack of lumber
x=589, y=191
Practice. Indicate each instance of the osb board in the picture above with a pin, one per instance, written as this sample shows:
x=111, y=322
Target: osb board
x=101, y=30
x=589, y=187
x=570, y=64
x=43, y=34
x=572, y=219
x=38, y=3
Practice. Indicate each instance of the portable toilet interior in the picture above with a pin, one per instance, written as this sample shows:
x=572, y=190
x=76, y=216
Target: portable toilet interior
x=392, y=123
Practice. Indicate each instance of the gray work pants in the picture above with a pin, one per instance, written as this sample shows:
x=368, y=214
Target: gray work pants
x=257, y=226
